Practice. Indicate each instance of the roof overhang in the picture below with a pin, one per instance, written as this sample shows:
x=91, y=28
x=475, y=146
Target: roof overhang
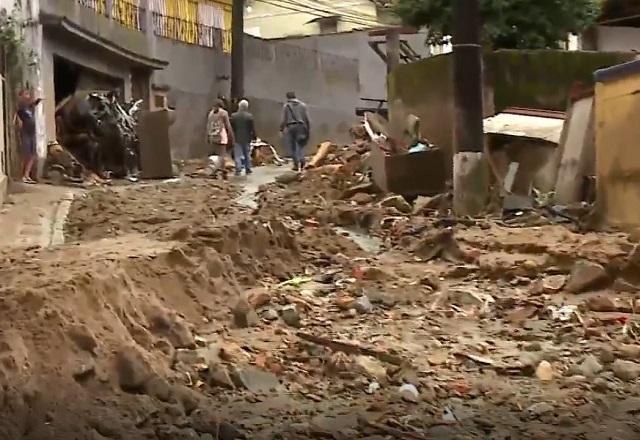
x=61, y=23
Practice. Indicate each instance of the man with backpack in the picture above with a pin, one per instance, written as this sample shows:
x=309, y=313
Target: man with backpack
x=219, y=134
x=295, y=129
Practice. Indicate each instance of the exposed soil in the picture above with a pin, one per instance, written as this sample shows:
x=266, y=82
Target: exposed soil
x=172, y=312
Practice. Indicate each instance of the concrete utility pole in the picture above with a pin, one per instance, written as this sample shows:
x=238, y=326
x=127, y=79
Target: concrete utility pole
x=470, y=170
x=393, y=49
x=237, y=49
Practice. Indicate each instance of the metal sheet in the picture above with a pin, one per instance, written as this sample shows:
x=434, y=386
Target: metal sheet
x=525, y=126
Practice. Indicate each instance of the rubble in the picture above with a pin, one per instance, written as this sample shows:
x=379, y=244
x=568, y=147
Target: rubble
x=586, y=276
x=626, y=370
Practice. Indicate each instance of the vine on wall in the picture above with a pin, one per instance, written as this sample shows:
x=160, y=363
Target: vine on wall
x=18, y=56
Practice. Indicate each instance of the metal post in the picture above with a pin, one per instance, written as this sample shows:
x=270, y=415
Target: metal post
x=237, y=50
x=470, y=170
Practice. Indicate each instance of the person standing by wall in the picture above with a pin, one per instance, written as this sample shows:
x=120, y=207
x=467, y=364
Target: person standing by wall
x=219, y=135
x=25, y=120
x=244, y=131
x=295, y=128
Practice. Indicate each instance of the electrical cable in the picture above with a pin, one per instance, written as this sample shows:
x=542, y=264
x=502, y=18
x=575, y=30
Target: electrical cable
x=299, y=3
x=290, y=6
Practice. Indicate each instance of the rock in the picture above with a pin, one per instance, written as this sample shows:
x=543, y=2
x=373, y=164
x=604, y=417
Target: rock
x=132, y=369
x=290, y=316
x=288, y=177
x=620, y=285
x=258, y=297
x=189, y=398
x=409, y=393
x=180, y=335
x=218, y=376
x=553, y=283
x=371, y=367
x=590, y=367
x=397, y=202
x=606, y=355
x=270, y=315
x=533, y=347
x=539, y=409
x=372, y=273
x=626, y=371
x=362, y=199
x=545, y=372
x=601, y=303
x=244, y=315
x=158, y=388
x=84, y=369
x=629, y=352
x=586, y=276
x=367, y=187
x=362, y=305
x=601, y=385
x=206, y=421
x=255, y=380
x=345, y=302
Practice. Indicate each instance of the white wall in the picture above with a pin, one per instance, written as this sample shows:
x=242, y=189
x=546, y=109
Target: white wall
x=618, y=39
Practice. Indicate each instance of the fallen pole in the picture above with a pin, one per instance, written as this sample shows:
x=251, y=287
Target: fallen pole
x=349, y=348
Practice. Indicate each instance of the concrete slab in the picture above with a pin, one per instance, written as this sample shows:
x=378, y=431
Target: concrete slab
x=35, y=215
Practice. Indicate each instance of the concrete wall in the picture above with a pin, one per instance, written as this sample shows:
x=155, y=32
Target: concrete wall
x=617, y=38
x=617, y=107
x=195, y=76
x=328, y=83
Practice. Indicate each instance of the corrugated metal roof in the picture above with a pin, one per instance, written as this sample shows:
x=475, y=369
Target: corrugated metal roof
x=526, y=126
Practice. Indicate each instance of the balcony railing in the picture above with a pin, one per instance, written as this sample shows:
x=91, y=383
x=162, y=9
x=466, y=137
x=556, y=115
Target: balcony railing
x=129, y=14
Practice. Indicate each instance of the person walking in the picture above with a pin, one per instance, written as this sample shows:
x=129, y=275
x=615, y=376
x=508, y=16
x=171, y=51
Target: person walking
x=219, y=135
x=244, y=131
x=26, y=122
x=295, y=128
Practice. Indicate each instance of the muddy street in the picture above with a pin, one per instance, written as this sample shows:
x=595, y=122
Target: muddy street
x=202, y=309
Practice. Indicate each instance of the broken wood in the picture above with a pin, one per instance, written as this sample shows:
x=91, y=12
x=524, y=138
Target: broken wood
x=349, y=348
x=392, y=431
x=321, y=154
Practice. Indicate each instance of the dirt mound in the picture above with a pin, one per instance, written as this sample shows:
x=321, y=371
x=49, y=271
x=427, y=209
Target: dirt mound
x=102, y=334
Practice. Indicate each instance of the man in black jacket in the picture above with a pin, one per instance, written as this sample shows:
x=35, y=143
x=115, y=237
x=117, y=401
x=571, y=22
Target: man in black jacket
x=295, y=127
x=244, y=131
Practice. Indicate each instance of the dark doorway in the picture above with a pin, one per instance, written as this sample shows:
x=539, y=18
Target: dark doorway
x=65, y=77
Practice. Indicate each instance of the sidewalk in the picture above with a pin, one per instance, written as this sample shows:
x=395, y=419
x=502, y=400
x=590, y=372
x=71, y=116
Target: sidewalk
x=34, y=215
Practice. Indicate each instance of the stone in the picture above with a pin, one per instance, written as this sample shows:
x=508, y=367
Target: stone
x=545, y=372
x=290, y=316
x=180, y=335
x=590, y=367
x=218, y=376
x=158, y=388
x=601, y=385
x=255, y=380
x=397, y=202
x=621, y=285
x=539, y=409
x=288, y=177
x=606, y=355
x=629, y=352
x=244, y=315
x=206, y=421
x=362, y=199
x=554, y=283
x=84, y=369
x=601, y=303
x=270, y=315
x=133, y=370
x=626, y=371
x=409, y=393
x=189, y=398
x=371, y=367
x=586, y=276
x=362, y=305
x=258, y=297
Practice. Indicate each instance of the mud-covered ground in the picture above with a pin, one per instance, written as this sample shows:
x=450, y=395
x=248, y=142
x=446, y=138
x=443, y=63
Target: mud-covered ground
x=175, y=312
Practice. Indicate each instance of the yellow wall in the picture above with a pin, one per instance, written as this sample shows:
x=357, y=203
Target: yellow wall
x=617, y=151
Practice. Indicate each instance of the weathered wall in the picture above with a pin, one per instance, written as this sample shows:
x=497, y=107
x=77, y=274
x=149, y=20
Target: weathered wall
x=327, y=83
x=617, y=107
x=543, y=79
x=195, y=76
x=617, y=38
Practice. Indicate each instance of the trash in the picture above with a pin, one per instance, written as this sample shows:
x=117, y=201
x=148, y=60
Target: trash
x=397, y=202
x=350, y=348
x=562, y=314
x=545, y=372
x=373, y=387
x=409, y=393
x=417, y=148
x=586, y=276
x=296, y=282
x=363, y=305
x=477, y=359
x=290, y=315
x=448, y=415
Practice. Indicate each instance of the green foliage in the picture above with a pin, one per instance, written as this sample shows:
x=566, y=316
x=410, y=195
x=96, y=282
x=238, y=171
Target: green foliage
x=18, y=56
x=507, y=24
